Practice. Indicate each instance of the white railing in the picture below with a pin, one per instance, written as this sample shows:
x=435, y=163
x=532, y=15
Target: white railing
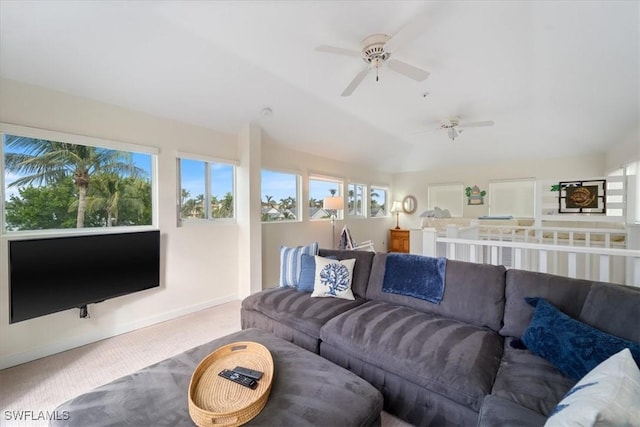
x=602, y=237
x=592, y=260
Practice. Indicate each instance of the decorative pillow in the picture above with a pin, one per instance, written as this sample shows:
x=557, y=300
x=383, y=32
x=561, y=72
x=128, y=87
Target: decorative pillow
x=333, y=278
x=572, y=346
x=290, y=263
x=606, y=396
x=308, y=272
x=442, y=213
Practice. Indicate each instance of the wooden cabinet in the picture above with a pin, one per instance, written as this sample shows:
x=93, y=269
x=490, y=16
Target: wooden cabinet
x=398, y=240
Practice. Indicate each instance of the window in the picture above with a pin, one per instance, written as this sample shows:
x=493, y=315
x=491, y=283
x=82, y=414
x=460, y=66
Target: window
x=512, y=198
x=319, y=188
x=279, y=196
x=446, y=196
x=207, y=189
x=54, y=181
x=356, y=200
x=378, y=202
x=615, y=192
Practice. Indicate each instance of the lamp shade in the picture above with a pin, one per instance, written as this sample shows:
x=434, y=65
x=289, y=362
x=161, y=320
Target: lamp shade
x=396, y=207
x=336, y=202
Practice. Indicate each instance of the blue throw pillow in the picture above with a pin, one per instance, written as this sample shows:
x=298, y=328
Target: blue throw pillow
x=575, y=348
x=308, y=272
x=290, y=263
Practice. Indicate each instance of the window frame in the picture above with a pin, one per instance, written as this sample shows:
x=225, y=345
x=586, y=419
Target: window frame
x=364, y=211
x=340, y=193
x=208, y=161
x=298, y=191
x=387, y=192
x=70, y=138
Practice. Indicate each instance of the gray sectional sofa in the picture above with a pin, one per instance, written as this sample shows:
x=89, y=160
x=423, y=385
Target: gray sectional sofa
x=450, y=363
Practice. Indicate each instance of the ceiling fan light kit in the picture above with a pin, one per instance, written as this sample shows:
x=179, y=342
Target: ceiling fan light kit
x=453, y=127
x=375, y=51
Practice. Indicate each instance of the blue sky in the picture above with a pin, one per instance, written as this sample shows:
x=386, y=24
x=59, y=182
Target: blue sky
x=275, y=184
x=281, y=185
x=193, y=179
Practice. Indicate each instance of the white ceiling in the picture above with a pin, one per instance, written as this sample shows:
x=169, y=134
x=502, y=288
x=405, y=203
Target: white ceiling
x=556, y=77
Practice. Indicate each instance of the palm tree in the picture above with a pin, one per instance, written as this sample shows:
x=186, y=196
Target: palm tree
x=269, y=201
x=350, y=201
x=373, y=194
x=108, y=193
x=224, y=207
x=198, y=207
x=184, y=195
x=44, y=161
x=284, y=203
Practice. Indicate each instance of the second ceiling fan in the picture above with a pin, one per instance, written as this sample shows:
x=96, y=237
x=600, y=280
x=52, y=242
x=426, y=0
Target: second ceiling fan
x=453, y=126
x=376, y=50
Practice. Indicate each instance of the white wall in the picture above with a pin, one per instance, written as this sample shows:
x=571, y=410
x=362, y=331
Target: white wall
x=624, y=152
x=416, y=183
x=277, y=234
x=199, y=264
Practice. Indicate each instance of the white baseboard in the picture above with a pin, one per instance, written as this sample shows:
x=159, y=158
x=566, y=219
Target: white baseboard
x=49, y=349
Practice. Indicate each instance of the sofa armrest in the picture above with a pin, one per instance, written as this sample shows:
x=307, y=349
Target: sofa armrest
x=499, y=412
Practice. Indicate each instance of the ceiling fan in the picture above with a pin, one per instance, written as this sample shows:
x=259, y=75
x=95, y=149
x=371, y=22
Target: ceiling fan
x=454, y=128
x=376, y=50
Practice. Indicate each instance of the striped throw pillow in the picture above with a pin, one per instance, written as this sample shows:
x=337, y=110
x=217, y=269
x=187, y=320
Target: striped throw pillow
x=291, y=261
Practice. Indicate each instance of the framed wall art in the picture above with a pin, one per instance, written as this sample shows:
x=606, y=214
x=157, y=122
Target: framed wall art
x=583, y=197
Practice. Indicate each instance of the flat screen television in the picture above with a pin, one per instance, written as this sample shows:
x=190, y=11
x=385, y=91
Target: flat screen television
x=47, y=275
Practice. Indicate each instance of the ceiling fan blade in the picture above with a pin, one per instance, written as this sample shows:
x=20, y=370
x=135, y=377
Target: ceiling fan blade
x=410, y=71
x=476, y=124
x=427, y=130
x=355, y=82
x=338, y=50
x=408, y=33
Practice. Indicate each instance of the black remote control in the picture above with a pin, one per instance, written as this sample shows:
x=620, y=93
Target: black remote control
x=238, y=378
x=251, y=373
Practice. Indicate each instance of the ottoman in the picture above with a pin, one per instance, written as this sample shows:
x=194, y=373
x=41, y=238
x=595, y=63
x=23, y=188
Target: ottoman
x=307, y=390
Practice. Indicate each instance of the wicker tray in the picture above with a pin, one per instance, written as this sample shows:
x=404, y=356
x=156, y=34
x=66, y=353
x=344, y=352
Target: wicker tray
x=216, y=401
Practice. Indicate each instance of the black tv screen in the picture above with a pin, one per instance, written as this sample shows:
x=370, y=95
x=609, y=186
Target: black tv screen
x=53, y=274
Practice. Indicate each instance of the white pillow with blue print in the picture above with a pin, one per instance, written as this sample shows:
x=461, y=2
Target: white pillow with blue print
x=609, y=395
x=333, y=278
x=291, y=261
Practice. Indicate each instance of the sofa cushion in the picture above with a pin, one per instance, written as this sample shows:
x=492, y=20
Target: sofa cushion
x=297, y=309
x=613, y=309
x=574, y=347
x=361, y=271
x=567, y=294
x=473, y=293
x=499, y=412
x=255, y=319
x=530, y=380
x=454, y=359
x=416, y=405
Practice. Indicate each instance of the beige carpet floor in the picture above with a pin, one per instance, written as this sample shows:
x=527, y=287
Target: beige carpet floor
x=44, y=384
